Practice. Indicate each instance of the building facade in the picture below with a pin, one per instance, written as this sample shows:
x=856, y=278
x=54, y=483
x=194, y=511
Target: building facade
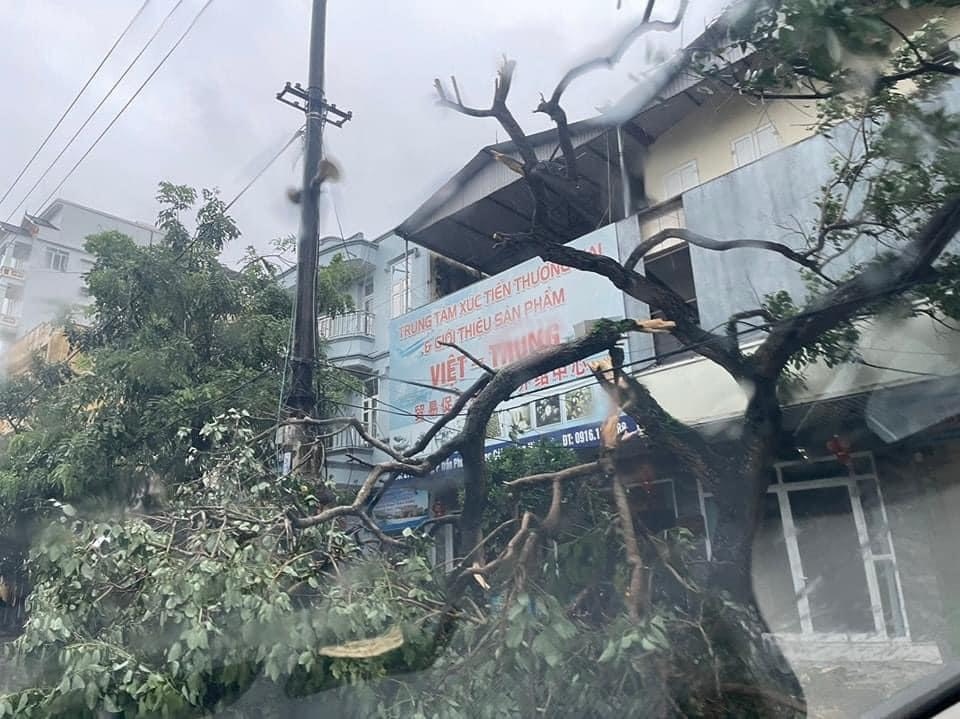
x=43, y=262
x=853, y=562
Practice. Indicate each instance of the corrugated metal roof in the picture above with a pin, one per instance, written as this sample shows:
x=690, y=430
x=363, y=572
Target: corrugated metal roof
x=456, y=220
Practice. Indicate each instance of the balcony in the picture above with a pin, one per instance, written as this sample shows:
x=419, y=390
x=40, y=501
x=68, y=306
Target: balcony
x=13, y=267
x=10, y=311
x=349, y=440
x=356, y=251
x=350, y=325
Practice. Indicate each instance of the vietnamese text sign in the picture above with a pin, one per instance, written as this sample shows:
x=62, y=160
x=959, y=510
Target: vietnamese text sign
x=500, y=320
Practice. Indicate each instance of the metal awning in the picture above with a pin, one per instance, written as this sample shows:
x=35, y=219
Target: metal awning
x=459, y=220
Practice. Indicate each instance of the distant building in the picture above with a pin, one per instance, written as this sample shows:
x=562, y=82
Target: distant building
x=47, y=342
x=42, y=264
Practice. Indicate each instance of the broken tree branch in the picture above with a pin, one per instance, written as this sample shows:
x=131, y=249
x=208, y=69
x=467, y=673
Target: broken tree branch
x=634, y=594
x=487, y=394
x=662, y=429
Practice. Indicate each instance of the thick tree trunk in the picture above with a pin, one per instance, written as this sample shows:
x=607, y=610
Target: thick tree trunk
x=754, y=675
x=475, y=496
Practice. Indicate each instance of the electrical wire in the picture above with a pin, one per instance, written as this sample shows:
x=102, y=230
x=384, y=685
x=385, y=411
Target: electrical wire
x=73, y=102
x=297, y=134
x=95, y=110
x=123, y=109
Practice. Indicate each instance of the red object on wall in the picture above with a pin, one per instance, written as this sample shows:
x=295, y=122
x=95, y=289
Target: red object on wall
x=839, y=448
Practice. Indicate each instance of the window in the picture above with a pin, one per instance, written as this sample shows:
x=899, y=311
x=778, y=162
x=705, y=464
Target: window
x=660, y=220
x=672, y=268
x=755, y=145
x=57, y=259
x=824, y=561
x=399, y=288
x=371, y=399
x=680, y=180
x=366, y=294
x=449, y=276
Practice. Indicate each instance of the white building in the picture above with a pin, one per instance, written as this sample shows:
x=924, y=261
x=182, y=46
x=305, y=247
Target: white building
x=43, y=263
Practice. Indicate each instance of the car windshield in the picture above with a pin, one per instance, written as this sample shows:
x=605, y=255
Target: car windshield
x=500, y=359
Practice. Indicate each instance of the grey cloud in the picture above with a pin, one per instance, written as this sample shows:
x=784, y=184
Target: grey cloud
x=209, y=118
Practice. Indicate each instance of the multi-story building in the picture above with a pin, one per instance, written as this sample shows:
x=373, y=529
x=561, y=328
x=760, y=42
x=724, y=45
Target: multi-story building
x=855, y=559
x=43, y=261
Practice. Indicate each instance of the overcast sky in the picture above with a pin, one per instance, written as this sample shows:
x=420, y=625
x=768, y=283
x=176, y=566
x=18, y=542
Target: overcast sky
x=209, y=117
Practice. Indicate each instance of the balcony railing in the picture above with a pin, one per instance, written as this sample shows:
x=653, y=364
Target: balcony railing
x=348, y=439
x=351, y=324
x=10, y=312
x=13, y=267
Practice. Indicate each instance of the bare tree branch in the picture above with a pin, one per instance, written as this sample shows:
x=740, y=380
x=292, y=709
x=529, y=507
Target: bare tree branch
x=635, y=594
x=454, y=412
x=649, y=291
x=580, y=470
x=649, y=11
x=608, y=61
x=877, y=281
x=552, y=520
x=357, y=425
x=708, y=243
x=374, y=529
x=498, y=110
x=552, y=107
x=508, y=554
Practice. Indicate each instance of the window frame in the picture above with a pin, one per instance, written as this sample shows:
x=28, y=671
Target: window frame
x=370, y=404
x=56, y=259
x=400, y=295
x=670, y=249
x=782, y=490
x=678, y=173
x=754, y=137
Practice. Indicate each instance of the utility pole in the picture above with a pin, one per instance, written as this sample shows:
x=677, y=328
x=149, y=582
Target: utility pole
x=301, y=398
x=303, y=352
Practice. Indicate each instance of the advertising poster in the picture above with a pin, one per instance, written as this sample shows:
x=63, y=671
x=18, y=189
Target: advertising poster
x=500, y=320
x=401, y=507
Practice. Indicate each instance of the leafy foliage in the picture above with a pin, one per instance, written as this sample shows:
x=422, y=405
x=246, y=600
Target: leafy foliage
x=212, y=597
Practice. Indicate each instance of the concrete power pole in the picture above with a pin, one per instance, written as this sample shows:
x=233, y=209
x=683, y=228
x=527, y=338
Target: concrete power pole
x=303, y=351
x=301, y=398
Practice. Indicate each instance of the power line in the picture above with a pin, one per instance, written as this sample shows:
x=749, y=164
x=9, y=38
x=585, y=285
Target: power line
x=94, y=112
x=297, y=134
x=74, y=101
x=123, y=109
x=864, y=362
